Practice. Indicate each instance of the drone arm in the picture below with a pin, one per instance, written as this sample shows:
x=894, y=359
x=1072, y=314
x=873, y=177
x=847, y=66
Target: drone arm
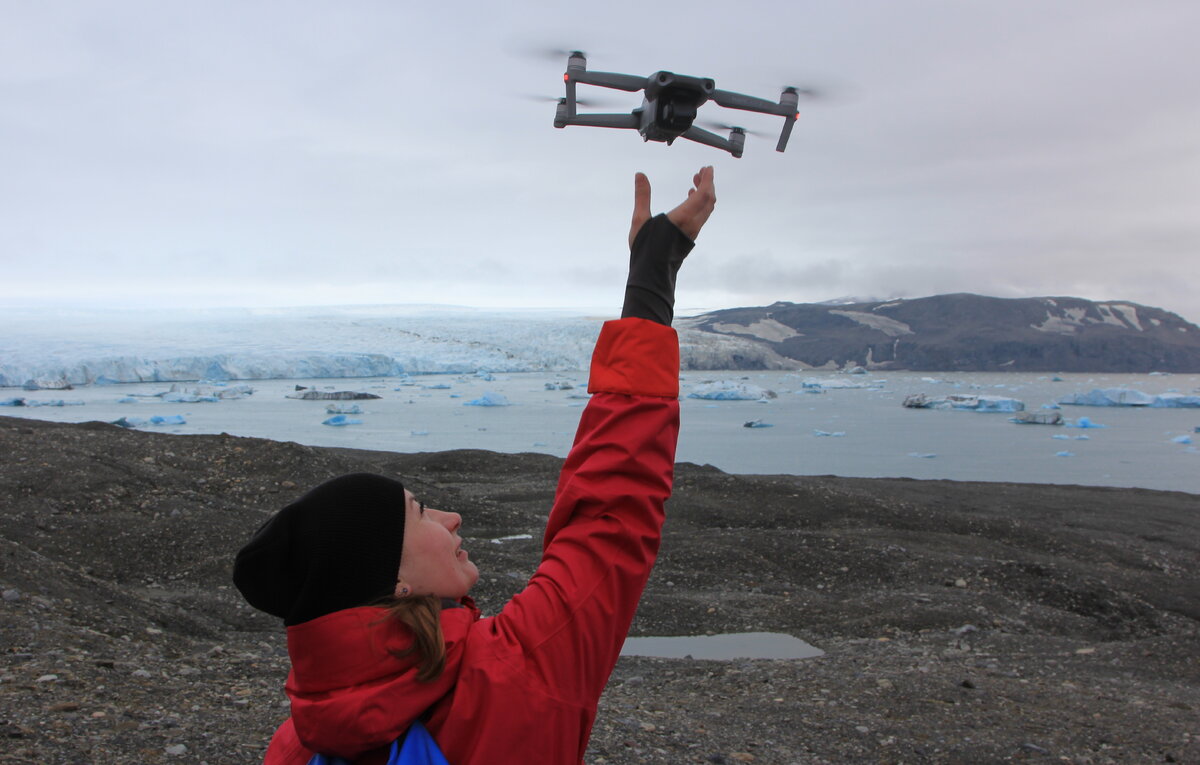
x=731, y=100
x=788, y=122
x=700, y=135
x=627, y=82
x=631, y=121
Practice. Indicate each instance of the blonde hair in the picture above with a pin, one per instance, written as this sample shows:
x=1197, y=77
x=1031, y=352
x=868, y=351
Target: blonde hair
x=422, y=615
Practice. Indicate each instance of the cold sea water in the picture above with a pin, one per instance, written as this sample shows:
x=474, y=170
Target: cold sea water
x=857, y=431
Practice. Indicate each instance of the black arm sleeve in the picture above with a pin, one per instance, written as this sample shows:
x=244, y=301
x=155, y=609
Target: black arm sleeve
x=654, y=259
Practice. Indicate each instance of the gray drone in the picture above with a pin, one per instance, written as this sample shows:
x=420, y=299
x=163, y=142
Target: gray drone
x=670, y=105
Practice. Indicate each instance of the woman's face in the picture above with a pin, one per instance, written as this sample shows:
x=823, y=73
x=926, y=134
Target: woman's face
x=432, y=561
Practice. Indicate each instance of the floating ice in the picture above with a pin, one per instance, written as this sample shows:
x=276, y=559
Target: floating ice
x=827, y=383
x=829, y=434
x=438, y=386
x=489, y=399
x=1130, y=397
x=559, y=386
x=1061, y=436
x=340, y=395
x=343, y=409
x=33, y=402
x=1037, y=418
x=1064, y=454
x=1175, y=400
x=341, y=419
x=1181, y=440
x=1085, y=422
x=922, y=455
x=730, y=390
x=157, y=420
x=757, y=424
x=964, y=402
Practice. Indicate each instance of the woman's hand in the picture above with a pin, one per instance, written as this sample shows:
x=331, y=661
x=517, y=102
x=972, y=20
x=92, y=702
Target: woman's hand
x=689, y=217
x=658, y=246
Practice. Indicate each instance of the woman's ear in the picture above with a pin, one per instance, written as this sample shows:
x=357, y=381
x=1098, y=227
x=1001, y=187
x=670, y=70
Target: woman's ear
x=402, y=589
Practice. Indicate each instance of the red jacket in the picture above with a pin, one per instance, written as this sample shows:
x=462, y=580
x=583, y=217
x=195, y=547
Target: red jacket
x=521, y=686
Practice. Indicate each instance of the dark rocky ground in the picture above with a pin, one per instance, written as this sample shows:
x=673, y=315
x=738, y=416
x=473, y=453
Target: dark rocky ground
x=963, y=622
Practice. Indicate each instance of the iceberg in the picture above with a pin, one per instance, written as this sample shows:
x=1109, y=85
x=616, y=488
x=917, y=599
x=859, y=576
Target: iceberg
x=159, y=420
x=829, y=383
x=964, y=402
x=1037, y=418
x=1130, y=397
x=1064, y=454
x=730, y=390
x=1181, y=440
x=1175, y=400
x=32, y=402
x=1085, y=422
x=343, y=409
x=341, y=419
x=333, y=395
x=489, y=399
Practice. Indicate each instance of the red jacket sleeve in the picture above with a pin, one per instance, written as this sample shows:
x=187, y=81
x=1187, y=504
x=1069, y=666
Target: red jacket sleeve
x=604, y=529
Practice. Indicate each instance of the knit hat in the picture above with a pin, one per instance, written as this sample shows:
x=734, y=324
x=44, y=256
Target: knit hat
x=336, y=547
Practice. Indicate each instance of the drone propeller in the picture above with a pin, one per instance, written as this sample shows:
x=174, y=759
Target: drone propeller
x=803, y=92
x=554, y=54
x=722, y=126
x=588, y=103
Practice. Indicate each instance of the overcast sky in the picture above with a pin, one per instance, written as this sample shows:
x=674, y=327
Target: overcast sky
x=263, y=152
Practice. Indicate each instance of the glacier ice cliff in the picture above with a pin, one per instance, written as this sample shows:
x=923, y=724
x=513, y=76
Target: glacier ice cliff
x=84, y=348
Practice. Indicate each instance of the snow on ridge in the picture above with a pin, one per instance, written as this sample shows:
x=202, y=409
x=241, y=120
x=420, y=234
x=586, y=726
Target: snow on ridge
x=764, y=329
x=888, y=326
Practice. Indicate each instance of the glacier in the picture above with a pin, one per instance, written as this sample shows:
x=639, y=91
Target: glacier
x=61, y=348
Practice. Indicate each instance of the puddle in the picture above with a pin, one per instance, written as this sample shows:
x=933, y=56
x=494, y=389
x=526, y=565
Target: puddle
x=745, y=645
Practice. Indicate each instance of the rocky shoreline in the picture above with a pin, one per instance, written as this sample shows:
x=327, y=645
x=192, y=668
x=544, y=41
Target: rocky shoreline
x=962, y=622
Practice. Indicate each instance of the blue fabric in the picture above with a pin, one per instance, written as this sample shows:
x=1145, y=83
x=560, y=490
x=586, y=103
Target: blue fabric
x=419, y=749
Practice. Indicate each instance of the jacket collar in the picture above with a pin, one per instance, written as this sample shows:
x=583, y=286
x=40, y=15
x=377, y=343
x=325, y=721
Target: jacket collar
x=349, y=693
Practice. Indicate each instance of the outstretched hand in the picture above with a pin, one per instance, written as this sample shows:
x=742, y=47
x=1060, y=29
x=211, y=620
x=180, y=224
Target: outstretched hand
x=689, y=216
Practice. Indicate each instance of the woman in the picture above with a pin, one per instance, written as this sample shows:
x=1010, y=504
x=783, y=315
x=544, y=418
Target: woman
x=372, y=585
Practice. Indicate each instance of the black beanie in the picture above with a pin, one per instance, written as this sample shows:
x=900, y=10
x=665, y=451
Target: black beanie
x=336, y=547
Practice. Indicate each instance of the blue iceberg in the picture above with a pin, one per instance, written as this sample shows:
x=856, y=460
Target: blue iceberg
x=489, y=399
x=341, y=419
x=1130, y=397
x=728, y=390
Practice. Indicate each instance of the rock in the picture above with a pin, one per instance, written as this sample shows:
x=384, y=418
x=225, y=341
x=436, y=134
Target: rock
x=176, y=750
x=47, y=679
x=12, y=595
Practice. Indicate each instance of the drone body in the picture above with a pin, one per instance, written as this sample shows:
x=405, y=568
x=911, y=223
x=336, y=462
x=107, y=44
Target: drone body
x=669, y=106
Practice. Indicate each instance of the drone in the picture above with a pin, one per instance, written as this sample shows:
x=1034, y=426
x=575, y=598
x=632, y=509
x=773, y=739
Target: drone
x=669, y=106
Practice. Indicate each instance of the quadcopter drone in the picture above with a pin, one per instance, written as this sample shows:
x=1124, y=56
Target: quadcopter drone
x=670, y=105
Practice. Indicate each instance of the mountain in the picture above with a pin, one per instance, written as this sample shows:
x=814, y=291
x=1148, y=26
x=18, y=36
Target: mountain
x=965, y=332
